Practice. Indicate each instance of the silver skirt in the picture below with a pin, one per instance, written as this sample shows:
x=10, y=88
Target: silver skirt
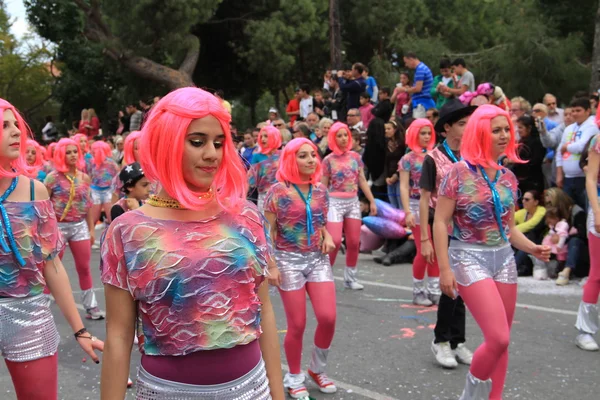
x=74, y=231
x=252, y=386
x=343, y=208
x=101, y=196
x=298, y=268
x=27, y=329
x=474, y=262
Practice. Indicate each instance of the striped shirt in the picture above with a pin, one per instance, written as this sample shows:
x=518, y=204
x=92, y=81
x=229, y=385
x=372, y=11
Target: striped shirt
x=423, y=73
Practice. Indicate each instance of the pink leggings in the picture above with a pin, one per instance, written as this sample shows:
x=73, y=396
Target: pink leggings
x=419, y=263
x=591, y=290
x=37, y=379
x=492, y=304
x=351, y=229
x=82, y=253
x=322, y=297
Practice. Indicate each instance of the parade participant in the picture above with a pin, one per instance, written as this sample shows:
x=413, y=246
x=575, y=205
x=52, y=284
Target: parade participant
x=49, y=165
x=35, y=160
x=130, y=149
x=136, y=188
x=296, y=208
x=189, y=265
x=343, y=175
x=84, y=149
x=29, y=245
x=449, y=333
x=262, y=175
x=420, y=138
x=69, y=190
x=102, y=171
x=478, y=197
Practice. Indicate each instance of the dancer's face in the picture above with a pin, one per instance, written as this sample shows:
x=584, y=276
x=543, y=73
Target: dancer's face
x=424, y=137
x=500, y=135
x=202, y=153
x=11, y=136
x=71, y=155
x=341, y=138
x=30, y=155
x=306, y=157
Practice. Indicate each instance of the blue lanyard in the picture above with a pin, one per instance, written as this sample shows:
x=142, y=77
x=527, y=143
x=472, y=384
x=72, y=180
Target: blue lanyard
x=6, y=221
x=496, y=198
x=449, y=151
x=309, y=220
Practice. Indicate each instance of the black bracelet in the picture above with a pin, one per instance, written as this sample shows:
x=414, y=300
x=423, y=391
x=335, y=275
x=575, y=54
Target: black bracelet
x=80, y=333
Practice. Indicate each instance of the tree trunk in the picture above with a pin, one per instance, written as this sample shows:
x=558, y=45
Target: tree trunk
x=335, y=35
x=595, y=82
x=148, y=69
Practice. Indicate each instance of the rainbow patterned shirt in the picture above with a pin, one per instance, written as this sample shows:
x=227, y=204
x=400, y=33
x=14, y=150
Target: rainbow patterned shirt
x=60, y=188
x=413, y=163
x=263, y=174
x=595, y=147
x=103, y=175
x=343, y=171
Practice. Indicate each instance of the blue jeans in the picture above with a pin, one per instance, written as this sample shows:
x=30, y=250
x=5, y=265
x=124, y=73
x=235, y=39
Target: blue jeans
x=578, y=256
x=393, y=192
x=575, y=189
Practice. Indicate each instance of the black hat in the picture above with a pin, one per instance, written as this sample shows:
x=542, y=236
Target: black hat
x=131, y=173
x=451, y=112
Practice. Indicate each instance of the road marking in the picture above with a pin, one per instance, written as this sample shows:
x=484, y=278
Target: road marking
x=410, y=289
x=351, y=388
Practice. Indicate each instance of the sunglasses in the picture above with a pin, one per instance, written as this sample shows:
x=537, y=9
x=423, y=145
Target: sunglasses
x=278, y=125
x=536, y=110
x=550, y=104
x=353, y=115
x=526, y=199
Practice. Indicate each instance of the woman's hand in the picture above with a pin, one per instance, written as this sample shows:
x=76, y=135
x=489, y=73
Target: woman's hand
x=328, y=246
x=274, y=276
x=92, y=237
x=427, y=251
x=410, y=220
x=373, y=208
x=597, y=221
x=541, y=252
x=89, y=345
x=391, y=180
x=448, y=284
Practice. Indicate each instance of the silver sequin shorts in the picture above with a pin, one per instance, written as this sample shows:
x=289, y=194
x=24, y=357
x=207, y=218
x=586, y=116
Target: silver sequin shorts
x=343, y=208
x=74, y=231
x=472, y=263
x=414, y=209
x=27, y=329
x=261, y=202
x=252, y=386
x=297, y=268
x=590, y=223
x=102, y=196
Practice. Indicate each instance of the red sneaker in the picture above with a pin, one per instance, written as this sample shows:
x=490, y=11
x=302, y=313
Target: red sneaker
x=299, y=392
x=325, y=384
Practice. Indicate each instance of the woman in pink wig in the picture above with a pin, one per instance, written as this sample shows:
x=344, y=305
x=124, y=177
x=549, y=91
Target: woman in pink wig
x=263, y=174
x=188, y=267
x=296, y=208
x=35, y=160
x=102, y=171
x=130, y=149
x=478, y=196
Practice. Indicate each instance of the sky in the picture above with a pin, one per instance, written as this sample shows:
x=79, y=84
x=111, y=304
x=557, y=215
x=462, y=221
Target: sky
x=16, y=10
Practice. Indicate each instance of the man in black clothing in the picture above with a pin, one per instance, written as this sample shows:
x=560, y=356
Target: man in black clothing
x=384, y=108
x=352, y=85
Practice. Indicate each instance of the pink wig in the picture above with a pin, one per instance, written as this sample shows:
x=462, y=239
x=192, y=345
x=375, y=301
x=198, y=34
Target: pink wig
x=128, y=153
x=100, y=151
x=20, y=163
x=50, y=152
x=476, y=147
x=77, y=138
x=288, y=166
x=162, y=143
x=273, y=139
x=60, y=153
x=331, y=138
x=412, y=135
x=39, y=160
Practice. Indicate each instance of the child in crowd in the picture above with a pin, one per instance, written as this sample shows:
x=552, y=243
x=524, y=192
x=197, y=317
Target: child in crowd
x=136, y=188
x=555, y=238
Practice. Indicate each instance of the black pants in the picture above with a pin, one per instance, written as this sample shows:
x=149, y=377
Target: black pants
x=450, y=326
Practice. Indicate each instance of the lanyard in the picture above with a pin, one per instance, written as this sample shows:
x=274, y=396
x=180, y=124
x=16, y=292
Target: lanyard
x=309, y=220
x=71, y=196
x=9, y=233
x=496, y=198
x=449, y=151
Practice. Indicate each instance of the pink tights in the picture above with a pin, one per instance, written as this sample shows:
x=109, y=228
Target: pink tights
x=492, y=304
x=82, y=253
x=322, y=297
x=37, y=379
x=591, y=290
x=419, y=263
x=351, y=229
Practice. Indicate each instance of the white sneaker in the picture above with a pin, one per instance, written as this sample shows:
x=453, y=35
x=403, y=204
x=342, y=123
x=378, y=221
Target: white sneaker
x=444, y=355
x=540, y=274
x=586, y=342
x=350, y=281
x=463, y=355
x=420, y=299
x=353, y=285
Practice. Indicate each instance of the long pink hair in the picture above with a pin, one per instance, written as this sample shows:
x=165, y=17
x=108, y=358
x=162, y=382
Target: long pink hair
x=413, y=131
x=20, y=163
x=476, y=147
x=129, y=146
x=50, y=152
x=162, y=143
x=331, y=138
x=288, y=165
x=77, y=138
x=100, y=151
x=39, y=160
x=59, y=155
x=273, y=139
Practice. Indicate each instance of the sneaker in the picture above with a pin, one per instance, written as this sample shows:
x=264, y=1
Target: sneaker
x=562, y=279
x=95, y=246
x=325, y=384
x=540, y=274
x=298, y=392
x=435, y=298
x=420, y=299
x=444, y=355
x=353, y=285
x=586, y=342
x=129, y=383
x=463, y=354
x=95, y=313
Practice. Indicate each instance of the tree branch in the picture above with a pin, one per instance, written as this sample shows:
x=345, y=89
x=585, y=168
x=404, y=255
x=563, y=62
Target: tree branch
x=188, y=65
x=478, y=53
x=243, y=18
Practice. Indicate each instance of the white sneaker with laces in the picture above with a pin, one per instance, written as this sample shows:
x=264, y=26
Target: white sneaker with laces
x=586, y=342
x=463, y=354
x=444, y=355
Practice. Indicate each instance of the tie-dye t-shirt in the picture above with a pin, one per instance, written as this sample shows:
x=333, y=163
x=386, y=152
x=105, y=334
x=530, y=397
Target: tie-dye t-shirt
x=595, y=147
x=285, y=202
x=474, y=216
x=413, y=163
x=38, y=240
x=60, y=188
x=195, y=282
x=263, y=175
x=103, y=175
x=343, y=172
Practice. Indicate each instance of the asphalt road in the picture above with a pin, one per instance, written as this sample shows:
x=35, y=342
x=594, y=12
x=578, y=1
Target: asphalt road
x=382, y=345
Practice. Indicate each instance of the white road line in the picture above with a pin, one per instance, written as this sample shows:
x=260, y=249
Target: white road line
x=349, y=387
x=520, y=305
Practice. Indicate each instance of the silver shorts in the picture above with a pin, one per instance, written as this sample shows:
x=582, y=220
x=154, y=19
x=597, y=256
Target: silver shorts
x=343, y=208
x=27, y=329
x=474, y=262
x=103, y=196
x=298, y=268
x=261, y=202
x=74, y=231
x=252, y=386
x=414, y=209
x=590, y=223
